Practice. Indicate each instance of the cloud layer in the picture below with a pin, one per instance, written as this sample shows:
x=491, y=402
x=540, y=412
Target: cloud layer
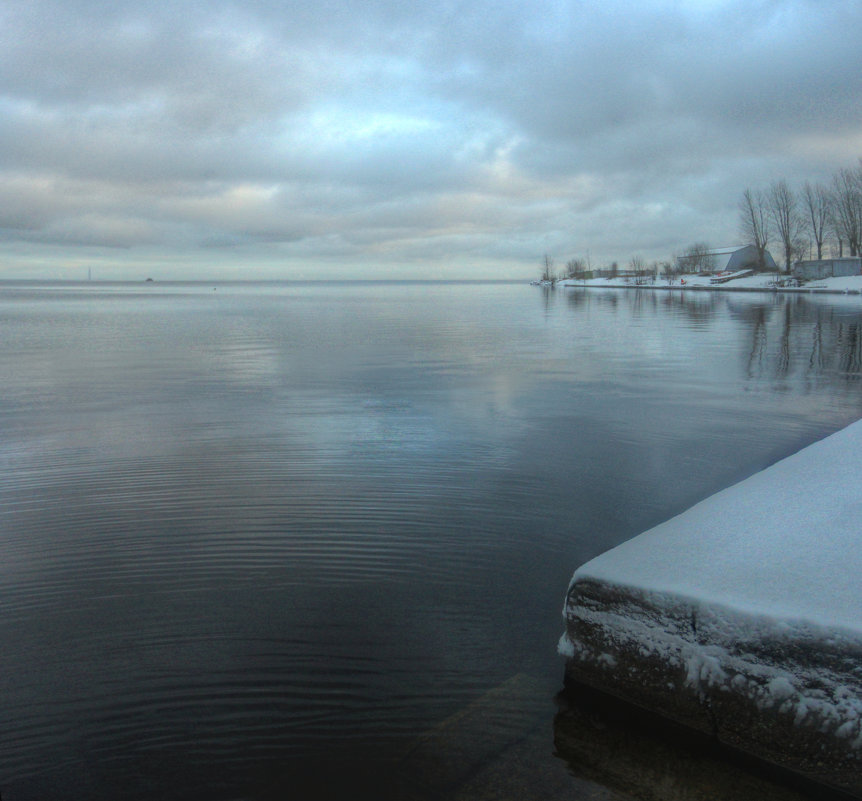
x=388, y=138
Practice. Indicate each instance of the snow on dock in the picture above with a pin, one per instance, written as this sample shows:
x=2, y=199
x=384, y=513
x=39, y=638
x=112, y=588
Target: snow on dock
x=743, y=615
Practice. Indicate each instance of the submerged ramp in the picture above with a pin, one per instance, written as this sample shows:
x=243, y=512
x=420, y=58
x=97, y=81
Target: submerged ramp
x=495, y=749
x=742, y=616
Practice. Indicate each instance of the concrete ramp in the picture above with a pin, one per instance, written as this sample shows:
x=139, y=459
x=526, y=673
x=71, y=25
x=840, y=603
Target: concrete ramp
x=742, y=617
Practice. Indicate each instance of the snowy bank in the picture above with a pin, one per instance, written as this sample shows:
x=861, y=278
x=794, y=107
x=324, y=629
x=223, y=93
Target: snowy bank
x=743, y=615
x=743, y=281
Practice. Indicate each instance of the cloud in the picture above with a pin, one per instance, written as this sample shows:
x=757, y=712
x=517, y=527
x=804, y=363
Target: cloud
x=387, y=133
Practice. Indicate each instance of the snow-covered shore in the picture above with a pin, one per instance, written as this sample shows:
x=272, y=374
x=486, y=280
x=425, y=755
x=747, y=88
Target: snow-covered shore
x=749, y=283
x=743, y=615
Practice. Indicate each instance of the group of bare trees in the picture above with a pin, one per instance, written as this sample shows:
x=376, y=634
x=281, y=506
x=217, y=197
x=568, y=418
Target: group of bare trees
x=578, y=267
x=845, y=207
x=638, y=270
x=776, y=211
x=696, y=258
x=803, y=220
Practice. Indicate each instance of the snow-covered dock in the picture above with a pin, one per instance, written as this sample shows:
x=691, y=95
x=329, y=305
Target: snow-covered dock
x=743, y=615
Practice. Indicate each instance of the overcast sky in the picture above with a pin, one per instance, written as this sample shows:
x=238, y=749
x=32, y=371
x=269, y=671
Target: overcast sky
x=386, y=138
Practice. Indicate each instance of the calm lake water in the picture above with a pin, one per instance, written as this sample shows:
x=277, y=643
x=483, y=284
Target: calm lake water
x=258, y=537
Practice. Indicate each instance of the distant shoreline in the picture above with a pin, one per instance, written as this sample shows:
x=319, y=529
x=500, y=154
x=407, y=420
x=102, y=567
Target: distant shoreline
x=721, y=288
x=848, y=285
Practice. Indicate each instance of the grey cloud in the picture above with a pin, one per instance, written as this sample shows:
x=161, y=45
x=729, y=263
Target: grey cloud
x=737, y=69
x=415, y=131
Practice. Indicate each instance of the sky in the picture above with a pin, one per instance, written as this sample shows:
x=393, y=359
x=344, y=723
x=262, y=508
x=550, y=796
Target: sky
x=393, y=139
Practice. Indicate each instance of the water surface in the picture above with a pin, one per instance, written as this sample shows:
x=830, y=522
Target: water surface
x=250, y=532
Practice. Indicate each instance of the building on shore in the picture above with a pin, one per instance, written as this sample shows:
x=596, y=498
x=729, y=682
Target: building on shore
x=827, y=268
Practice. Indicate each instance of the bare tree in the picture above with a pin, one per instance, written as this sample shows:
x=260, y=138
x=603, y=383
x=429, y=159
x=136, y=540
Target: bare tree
x=815, y=204
x=548, y=270
x=784, y=213
x=845, y=206
x=669, y=270
x=576, y=268
x=754, y=223
x=696, y=258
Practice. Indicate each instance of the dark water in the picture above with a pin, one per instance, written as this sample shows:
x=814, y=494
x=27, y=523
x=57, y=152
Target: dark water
x=255, y=537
